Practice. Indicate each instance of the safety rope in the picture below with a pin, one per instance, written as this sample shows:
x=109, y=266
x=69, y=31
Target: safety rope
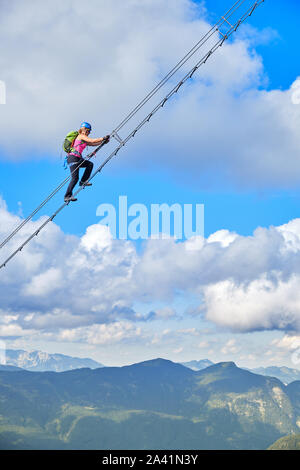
x=122, y=142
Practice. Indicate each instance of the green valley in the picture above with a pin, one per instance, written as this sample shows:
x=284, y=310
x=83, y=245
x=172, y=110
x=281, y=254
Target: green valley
x=155, y=404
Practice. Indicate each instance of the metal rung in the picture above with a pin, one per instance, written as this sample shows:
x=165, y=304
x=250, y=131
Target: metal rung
x=223, y=18
x=220, y=32
x=117, y=137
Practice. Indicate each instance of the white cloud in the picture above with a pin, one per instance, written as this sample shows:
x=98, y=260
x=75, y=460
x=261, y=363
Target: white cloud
x=43, y=284
x=92, y=241
x=204, y=344
x=165, y=313
x=14, y=330
x=117, y=53
x=101, y=334
x=230, y=347
x=224, y=237
x=189, y=332
x=178, y=350
x=287, y=342
x=61, y=282
x=260, y=304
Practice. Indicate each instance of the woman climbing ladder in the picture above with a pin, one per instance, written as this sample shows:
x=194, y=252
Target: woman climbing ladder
x=76, y=161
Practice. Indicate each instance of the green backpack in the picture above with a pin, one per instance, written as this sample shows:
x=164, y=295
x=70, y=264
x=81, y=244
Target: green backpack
x=69, y=141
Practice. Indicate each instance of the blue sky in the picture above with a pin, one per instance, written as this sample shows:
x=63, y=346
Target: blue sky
x=281, y=59
x=151, y=171
x=227, y=208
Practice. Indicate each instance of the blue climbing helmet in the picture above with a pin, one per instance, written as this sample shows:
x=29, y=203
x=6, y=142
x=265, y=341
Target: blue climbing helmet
x=86, y=125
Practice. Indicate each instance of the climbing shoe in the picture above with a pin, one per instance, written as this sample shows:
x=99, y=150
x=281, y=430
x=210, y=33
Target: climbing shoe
x=70, y=198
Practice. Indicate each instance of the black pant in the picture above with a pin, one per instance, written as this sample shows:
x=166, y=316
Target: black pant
x=75, y=163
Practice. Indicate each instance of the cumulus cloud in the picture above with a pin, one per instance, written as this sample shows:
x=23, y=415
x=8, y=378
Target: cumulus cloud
x=103, y=56
x=230, y=347
x=287, y=342
x=101, y=334
x=229, y=125
x=67, y=283
x=44, y=284
x=262, y=304
x=64, y=280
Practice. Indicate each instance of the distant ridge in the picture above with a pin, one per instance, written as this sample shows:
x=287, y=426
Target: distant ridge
x=285, y=374
x=41, y=361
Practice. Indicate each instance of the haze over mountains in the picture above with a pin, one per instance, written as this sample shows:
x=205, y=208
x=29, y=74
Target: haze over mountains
x=155, y=404
x=41, y=361
x=198, y=365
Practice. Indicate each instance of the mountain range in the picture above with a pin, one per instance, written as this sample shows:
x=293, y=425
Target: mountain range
x=156, y=404
x=41, y=361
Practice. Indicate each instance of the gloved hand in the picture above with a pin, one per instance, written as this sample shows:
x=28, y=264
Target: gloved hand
x=106, y=139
